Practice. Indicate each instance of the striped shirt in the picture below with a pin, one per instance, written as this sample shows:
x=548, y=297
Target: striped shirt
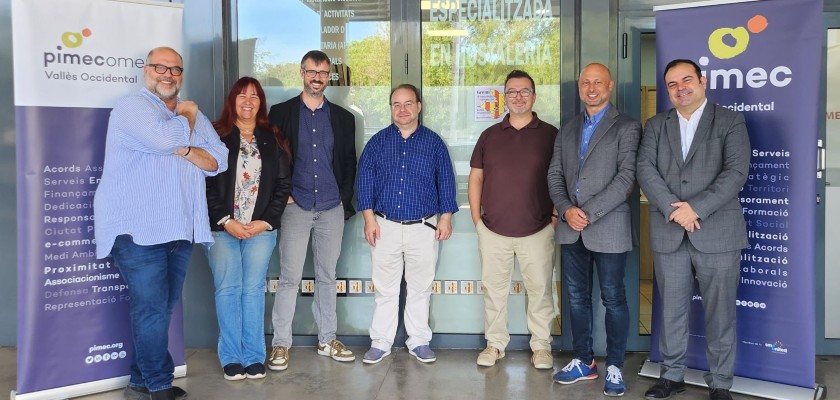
x=406, y=179
x=146, y=190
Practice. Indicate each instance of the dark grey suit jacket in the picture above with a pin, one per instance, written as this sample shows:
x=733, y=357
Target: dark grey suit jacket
x=605, y=181
x=709, y=179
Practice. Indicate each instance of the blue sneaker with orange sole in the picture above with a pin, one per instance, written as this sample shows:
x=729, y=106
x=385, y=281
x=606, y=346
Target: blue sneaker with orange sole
x=614, y=384
x=575, y=371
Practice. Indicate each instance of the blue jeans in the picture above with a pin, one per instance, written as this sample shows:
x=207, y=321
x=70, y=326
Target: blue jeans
x=578, y=265
x=239, y=268
x=155, y=276
x=326, y=228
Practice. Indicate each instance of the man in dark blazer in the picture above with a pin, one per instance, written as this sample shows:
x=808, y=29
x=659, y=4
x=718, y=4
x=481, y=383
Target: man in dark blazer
x=591, y=176
x=322, y=140
x=692, y=162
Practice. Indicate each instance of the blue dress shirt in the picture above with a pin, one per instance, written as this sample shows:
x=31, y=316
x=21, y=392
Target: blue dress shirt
x=313, y=182
x=406, y=179
x=146, y=190
x=590, y=124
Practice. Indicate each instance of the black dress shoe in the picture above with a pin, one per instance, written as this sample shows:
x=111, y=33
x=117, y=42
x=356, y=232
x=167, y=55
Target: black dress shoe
x=664, y=388
x=141, y=393
x=719, y=394
x=165, y=394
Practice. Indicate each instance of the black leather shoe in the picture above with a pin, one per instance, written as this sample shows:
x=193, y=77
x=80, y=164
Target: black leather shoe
x=165, y=394
x=664, y=388
x=141, y=393
x=719, y=394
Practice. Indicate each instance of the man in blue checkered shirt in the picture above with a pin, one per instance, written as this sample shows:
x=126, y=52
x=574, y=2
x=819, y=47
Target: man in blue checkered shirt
x=406, y=191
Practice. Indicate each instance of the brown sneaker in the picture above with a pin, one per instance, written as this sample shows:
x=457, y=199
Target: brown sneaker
x=336, y=350
x=542, y=359
x=488, y=356
x=279, y=358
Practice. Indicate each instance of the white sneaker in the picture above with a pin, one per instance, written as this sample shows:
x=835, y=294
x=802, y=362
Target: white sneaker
x=279, y=358
x=336, y=350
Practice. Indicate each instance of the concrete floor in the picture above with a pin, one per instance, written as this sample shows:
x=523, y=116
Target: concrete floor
x=453, y=376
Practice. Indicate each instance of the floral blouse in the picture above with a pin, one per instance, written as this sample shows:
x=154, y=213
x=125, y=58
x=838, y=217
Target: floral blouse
x=248, y=171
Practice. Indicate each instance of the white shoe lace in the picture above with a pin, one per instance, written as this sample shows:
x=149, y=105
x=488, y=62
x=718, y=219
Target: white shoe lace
x=572, y=365
x=614, y=375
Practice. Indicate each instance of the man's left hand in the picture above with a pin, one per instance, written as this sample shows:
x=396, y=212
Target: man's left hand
x=685, y=216
x=444, y=227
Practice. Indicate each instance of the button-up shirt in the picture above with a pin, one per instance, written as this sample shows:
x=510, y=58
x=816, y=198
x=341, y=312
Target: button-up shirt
x=688, y=127
x=406, y=178
x=146, y=190
x=590, y=124
x=313, y=182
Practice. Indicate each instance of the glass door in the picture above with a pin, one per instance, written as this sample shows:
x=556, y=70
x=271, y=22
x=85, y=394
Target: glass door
x=272, y=37
x=467, y=50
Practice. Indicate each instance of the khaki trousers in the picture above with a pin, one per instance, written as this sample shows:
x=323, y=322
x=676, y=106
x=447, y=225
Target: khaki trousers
x=535, y=254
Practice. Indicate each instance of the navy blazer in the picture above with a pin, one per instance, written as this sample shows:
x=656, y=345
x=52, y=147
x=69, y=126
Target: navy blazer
x=286, y=116
x=275, y=182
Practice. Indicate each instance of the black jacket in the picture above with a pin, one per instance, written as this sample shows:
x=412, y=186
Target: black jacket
x=286, y=116
x=275, y=182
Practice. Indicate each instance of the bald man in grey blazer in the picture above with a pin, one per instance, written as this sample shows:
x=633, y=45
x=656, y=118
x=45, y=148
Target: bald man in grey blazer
x=591, y=176
x=692, y=162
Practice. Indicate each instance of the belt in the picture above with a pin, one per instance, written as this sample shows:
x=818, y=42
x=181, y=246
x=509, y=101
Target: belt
x=411, y=221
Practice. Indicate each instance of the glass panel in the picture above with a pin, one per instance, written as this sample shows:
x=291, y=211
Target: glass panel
x=273, y=36
x=648, y=101
x=832, y=180
x=467, y=50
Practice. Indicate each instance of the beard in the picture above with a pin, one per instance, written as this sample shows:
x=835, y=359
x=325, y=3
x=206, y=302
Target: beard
x=314, y=92
x=164, y=93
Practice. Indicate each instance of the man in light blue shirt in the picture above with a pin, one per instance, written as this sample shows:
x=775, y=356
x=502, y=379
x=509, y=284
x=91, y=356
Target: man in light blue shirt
x=150, y=207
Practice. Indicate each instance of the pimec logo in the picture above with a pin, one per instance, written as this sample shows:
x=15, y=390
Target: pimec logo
x=741, y=36
x=726, y=43
x=74, y=39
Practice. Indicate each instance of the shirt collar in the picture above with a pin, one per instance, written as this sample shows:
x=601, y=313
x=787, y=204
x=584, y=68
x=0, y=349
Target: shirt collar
x=595, y=119
x=696, y=114
x=322, y=106
x=535, y=122
x=396, y=130
x=151, y=96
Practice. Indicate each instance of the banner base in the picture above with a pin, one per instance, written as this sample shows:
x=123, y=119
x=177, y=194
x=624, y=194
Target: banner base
x=84, y=389
x=748, y=386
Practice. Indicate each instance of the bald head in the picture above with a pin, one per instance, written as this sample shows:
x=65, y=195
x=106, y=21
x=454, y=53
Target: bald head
x=594, y=86
x=163, y=49
x=597, y=68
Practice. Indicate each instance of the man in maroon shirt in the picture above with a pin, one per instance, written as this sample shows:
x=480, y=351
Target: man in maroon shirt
x=514, y=217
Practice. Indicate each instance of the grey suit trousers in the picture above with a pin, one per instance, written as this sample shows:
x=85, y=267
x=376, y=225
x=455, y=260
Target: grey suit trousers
x=718, y=275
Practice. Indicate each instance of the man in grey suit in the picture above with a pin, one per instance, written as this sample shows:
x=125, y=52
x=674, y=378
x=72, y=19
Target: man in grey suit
x=591, y=175
x=692, y=162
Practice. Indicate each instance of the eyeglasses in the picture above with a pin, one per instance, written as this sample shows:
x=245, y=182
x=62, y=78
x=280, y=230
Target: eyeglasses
x=522, y=92
x=406, y=105
x=310, y=73
x=161, y=69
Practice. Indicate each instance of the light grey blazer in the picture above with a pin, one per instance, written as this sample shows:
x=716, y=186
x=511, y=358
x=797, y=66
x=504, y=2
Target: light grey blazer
x=605, y=181
x=709, y=179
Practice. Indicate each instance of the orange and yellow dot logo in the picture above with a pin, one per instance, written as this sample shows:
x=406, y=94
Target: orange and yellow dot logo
x=74, y=39
x=740, y=35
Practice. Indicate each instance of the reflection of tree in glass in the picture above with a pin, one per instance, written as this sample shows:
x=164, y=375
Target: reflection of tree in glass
x=454, y=65
x=369, y=60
